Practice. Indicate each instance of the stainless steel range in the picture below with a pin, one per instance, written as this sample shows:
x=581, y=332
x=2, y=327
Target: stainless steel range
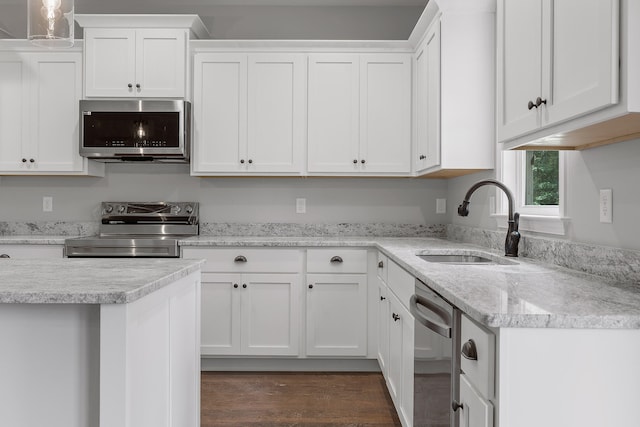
x=138, y=229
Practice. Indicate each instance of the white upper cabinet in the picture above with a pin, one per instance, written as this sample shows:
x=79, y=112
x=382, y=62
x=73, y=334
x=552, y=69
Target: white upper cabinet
x=122, y=62
x=359, y=114
x=565, y=65
x=454, y=131
x=249, y=113
x=39, y=94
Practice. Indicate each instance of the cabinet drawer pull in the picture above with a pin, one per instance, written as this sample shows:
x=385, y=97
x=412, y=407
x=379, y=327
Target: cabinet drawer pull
x=469, y=350
x=336, y=259
x=4, y=256
x=395, y=317
x=240, y=258
x=380, y=264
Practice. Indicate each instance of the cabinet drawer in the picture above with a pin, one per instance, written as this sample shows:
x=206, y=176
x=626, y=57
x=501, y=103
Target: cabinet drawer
x=401, y=283
x=336, y=260
x=247, y=260
x=479, y=372
x=32, y=251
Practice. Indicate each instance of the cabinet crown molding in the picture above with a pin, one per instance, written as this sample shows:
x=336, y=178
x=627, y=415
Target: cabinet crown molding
x=191, y=22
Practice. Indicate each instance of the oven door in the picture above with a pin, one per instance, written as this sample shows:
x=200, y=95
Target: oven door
x=436, y=363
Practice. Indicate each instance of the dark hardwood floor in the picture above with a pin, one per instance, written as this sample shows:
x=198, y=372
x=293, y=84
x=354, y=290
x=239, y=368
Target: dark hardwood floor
x=309, y=399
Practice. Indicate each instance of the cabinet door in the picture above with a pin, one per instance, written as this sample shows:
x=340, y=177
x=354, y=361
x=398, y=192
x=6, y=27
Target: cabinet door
x=56, y=88
x=220, y=113
x=385, y=113
x=161, y=57
x=428, y=101
x=580, y=67
x=220, y=314
x=276, y=112
x=383, y=328
x=336, y=315
x=270, y=314
x=519, y=65
x=475, y=411
x=13, y=107
x=110, y=61
x=333, y=130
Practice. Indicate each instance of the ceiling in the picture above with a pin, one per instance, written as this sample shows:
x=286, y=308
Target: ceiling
x=257, y=19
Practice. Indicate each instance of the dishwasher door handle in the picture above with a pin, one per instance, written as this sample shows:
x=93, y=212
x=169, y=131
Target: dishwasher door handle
x=439, y=325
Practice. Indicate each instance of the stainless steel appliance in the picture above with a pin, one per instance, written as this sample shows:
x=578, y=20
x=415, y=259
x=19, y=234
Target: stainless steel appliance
x=135, y=130
x=436, y=359
x=138, y=229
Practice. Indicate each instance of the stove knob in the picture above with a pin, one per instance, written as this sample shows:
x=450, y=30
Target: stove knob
x=176, y=209
x=189, y=209
x=121, y=209
x=108, y=209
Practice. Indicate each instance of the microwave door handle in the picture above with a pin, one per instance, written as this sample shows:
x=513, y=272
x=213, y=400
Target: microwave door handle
x=441, y=328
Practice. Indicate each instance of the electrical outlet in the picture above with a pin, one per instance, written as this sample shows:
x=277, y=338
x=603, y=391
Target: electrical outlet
x=441, y=206
x=47, y=204
x=301, y=206
x=606, y=214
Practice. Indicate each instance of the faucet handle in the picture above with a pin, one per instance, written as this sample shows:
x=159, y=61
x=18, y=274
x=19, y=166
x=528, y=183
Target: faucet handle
x=516, y=221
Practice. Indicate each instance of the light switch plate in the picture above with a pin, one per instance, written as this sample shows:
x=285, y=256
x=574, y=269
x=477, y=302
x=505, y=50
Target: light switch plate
x=441, y=206
x=301, y=206
x=606, y=214
x=47, y=204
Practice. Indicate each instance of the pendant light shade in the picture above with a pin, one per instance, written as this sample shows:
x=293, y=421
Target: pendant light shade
x=50, y=23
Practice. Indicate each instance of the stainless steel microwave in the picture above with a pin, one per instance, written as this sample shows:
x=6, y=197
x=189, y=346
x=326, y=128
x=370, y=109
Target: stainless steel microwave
x=135, y=130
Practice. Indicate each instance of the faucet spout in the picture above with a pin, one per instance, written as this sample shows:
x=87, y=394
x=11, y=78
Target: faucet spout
x=513, y=235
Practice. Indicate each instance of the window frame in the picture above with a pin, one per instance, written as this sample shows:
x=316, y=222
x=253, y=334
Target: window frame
x=511, y=171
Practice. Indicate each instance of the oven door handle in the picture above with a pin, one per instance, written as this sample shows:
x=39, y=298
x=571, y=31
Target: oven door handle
x=439, y=325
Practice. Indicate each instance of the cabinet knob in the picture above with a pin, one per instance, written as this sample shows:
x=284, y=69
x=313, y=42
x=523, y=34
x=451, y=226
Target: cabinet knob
x=380, y=264
x=355, y=161
x=395, y=317
x=310, y=286
x=242, y=161
x=363, y=161
x=422, y=157
x=531, y=105
x=540, y=101
x=240, y=258
x=455, y=405
x=235, y=285
x=250, y=161
x=24, y=160
x=244, y=286
x=31, y=161
x=129, y=85
x=4, y=256
x=137, y=85
x=382, y=298
x=336, y=259
x=469, y=350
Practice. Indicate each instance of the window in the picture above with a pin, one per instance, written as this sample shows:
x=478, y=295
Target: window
x=536, y=179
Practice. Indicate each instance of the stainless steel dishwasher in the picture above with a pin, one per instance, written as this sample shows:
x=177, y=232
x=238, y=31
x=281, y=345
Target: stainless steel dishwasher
x=436, y=359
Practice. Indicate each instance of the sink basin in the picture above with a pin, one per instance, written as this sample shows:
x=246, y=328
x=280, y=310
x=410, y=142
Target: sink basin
x=464, y=257
x=456, y=259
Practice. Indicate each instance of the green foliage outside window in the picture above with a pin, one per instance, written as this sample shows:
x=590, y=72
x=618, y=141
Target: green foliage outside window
x=542, y=171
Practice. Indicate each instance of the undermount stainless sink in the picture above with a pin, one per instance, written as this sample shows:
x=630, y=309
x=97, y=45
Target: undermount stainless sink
x=466, y=257
x=456, y=258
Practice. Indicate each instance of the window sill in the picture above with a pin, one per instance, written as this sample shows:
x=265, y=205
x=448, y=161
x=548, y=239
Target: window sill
x=537, y=223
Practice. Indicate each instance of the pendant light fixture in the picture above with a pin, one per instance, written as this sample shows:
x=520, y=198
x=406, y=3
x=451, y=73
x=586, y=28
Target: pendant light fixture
x=50, y=23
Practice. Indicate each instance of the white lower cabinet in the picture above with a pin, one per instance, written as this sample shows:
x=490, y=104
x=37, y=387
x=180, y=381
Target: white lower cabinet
x=27, y=251
x=476, y=411
x=400, y=369
x=383, y=327
x=251, y=301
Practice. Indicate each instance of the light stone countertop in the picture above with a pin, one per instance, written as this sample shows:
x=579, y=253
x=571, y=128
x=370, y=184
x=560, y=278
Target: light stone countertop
x=88, y=281
x=523, y=294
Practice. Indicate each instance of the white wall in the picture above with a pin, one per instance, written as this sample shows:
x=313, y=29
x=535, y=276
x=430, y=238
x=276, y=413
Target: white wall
x=615, y=166
x=329, y=200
